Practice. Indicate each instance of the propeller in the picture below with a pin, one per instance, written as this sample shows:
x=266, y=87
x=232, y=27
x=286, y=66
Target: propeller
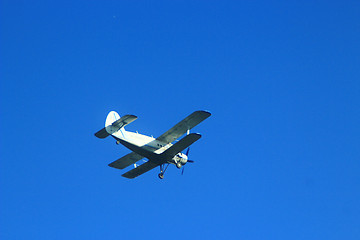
x=187, y=154
x=182, y=171
x=190, y=161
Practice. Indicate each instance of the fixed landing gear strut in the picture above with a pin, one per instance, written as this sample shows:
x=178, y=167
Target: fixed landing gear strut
x=162, y=170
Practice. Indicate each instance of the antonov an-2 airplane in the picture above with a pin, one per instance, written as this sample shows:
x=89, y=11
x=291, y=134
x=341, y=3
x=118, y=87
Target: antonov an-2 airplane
x=161, y=151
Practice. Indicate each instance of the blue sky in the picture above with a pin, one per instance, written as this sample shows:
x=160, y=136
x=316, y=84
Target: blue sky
x=279, y=157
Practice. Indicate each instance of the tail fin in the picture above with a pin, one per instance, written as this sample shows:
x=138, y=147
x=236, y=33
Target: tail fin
x=114, y=124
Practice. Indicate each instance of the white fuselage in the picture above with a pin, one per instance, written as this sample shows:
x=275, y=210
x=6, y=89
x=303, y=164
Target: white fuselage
x=140, y=140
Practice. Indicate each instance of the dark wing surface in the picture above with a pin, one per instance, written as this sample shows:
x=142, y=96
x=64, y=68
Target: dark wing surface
x=182, y=127
x=126, y=160
x=143, y=168
x=181, y=145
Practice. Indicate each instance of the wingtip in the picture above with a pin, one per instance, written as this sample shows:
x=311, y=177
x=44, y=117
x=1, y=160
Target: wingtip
x=194, y=135
x=205, y=112
x=101, y=134
x=128, y=177
x=131, y=116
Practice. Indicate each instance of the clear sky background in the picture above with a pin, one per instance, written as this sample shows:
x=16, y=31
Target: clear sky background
x=279, y=157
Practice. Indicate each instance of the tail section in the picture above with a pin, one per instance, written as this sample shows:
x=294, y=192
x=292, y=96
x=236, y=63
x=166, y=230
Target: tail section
x=111, y=118
x=110, y=123
x=114, y=125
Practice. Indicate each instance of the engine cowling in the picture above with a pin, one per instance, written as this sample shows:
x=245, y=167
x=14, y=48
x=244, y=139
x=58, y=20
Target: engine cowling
x=180, y=160
x=183, y=159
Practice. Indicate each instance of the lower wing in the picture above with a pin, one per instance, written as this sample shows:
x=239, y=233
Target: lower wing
x=143, y=168
x=126, y=161
x=181, y=145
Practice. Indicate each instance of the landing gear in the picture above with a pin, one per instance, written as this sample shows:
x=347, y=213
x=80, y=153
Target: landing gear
x=178, y=165
x=117, y=142
x=162, y=170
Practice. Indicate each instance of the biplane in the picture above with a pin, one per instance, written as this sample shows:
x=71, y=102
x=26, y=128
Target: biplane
x=161, y=151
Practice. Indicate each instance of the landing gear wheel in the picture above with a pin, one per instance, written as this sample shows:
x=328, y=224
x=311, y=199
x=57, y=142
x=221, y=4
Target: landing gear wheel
x=178, y=165
x=161, y=175
x=117, y=142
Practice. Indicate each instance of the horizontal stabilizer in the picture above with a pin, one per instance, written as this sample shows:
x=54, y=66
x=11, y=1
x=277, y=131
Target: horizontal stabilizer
x=123, y=121
x=115, y=126
x=120, y=123
x=102, y=133
x=143, y=168
x=126, y=161
x=181, y=145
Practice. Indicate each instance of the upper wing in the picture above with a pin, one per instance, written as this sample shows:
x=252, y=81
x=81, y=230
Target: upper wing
x=181, y=145
x=143, y=168
x=126, y=160
x=182, y=127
